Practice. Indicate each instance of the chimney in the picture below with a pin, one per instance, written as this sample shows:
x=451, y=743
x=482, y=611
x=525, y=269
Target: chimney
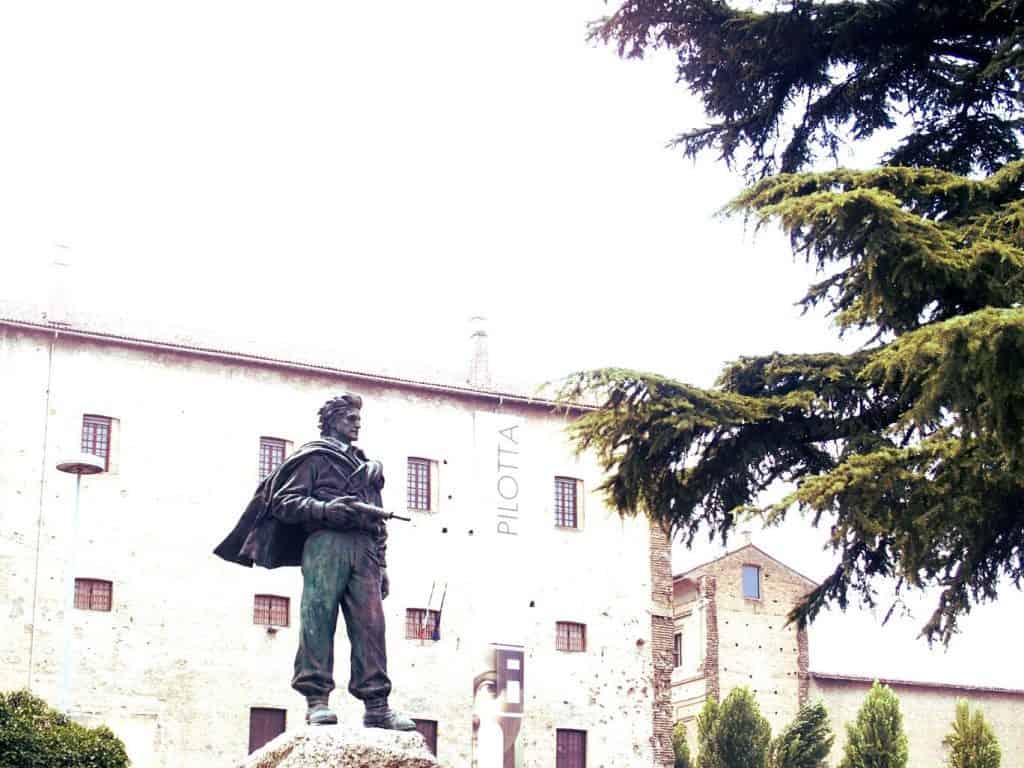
x=479, y=364
x=747, y=537
x=60, y=276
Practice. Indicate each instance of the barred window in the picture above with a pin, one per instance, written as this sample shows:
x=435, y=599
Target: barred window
x=417, y=484
x=270, y=610
x=570, y=749
x=428, y=729
x=677, y=649
x=93, y=594
x=422, y=624
x=570, y=636
x=271, y=455
x=566, y=503
x=96, y=437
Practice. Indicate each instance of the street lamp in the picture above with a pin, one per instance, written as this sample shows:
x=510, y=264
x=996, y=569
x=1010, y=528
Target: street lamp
x=81, y=464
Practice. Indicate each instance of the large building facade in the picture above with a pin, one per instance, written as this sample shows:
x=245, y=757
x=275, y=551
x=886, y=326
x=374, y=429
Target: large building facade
x=731, y=631
x=189, y=658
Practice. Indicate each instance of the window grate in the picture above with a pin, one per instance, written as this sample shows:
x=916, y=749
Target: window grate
x=270, y=610
x=417, y=485
x=422, y=624
x=96, y=437
x=93, y=594
x=566, y=503
x=271, y=455
x=570, y=636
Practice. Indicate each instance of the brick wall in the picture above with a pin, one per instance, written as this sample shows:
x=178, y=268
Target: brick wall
x=662, y=630
x=709, y=589
x=803, y=666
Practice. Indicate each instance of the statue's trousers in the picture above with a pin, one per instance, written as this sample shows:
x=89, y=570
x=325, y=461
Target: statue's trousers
x=340, y=570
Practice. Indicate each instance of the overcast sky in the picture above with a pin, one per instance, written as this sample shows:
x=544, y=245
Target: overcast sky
x=256, y=172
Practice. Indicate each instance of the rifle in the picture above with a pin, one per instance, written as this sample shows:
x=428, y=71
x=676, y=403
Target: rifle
x=383, y=514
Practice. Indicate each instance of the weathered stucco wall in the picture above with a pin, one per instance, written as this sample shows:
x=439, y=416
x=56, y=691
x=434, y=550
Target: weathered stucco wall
x=928, y=713
x=178, y=662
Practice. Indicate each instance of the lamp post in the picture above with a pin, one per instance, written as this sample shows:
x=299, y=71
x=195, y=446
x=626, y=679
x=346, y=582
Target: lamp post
x=81, y=464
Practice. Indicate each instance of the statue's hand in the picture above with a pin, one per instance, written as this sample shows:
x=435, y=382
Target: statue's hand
x=338, y=513
x=385, y=584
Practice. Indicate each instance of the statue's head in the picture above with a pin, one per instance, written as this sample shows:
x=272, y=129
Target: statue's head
x=340, y=417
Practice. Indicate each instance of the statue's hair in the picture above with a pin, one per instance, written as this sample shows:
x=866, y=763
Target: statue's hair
x=338, y=405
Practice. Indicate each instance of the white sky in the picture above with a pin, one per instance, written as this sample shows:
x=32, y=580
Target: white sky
x=250, y=171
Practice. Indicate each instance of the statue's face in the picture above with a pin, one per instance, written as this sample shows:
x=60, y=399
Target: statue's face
x=346, y=425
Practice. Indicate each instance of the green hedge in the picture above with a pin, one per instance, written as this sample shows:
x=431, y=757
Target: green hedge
x=34, y=736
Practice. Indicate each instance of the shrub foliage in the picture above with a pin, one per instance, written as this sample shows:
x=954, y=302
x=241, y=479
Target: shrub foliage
x=971, y=743
x=876, y=739
x=34, y=736
x=804, y=743
x=733, y=734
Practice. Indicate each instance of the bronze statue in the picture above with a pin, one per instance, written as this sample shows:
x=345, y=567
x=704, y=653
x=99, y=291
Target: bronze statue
x=321, y=509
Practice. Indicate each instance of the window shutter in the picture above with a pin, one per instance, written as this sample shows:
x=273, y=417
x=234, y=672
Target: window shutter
x=264, y=725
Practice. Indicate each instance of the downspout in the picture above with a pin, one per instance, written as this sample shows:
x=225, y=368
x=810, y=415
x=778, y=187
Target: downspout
x=39, y=521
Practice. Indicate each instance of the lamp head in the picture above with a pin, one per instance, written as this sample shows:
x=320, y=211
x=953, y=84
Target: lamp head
x=82, y=464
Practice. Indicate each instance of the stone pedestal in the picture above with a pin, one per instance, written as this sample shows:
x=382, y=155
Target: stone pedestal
x=343, y=746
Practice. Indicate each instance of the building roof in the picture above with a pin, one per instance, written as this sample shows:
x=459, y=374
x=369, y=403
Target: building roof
x=244, y=358
x=693, y=571
x=832, y=677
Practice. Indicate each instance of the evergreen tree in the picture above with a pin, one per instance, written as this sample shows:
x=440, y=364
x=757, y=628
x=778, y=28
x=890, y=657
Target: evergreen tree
x=971, y=743
x=680, y=747
x=911, y=449
x=876, y=739
x=784, y=84
x=805, y=743
x=707, y=728
x=733, y=735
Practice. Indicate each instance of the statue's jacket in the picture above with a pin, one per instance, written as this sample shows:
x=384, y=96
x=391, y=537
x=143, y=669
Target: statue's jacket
x=270, y=533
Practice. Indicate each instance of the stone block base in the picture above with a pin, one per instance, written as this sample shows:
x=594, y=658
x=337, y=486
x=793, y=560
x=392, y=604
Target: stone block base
x=342, y=746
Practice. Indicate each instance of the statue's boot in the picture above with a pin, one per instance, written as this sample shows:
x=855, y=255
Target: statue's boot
x=380, y=715
x=320, y=714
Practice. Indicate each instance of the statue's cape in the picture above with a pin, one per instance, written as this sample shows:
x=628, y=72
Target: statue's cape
x=260, y=538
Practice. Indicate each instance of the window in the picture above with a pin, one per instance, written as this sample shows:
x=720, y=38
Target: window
x=96, y=437
x=752, y=582
x=270, y=610
x=93, y=594
x=566, y=502
x=422, y=624
x=570, y=636
x=677, y=649
x=417, y=484
x=271, y=455
x=428, y=730
x=570, y=749
x=264, y=725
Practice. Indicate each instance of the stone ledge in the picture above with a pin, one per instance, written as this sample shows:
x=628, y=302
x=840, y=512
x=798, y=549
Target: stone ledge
x=342, y=746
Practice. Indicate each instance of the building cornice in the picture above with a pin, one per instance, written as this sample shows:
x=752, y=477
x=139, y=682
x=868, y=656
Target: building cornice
x=242, y=358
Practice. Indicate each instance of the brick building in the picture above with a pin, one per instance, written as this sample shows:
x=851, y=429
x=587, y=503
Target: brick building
x=731, y=631
x=189, y=658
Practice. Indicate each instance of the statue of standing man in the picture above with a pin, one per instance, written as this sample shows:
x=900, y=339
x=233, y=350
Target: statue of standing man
x=320, y=509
